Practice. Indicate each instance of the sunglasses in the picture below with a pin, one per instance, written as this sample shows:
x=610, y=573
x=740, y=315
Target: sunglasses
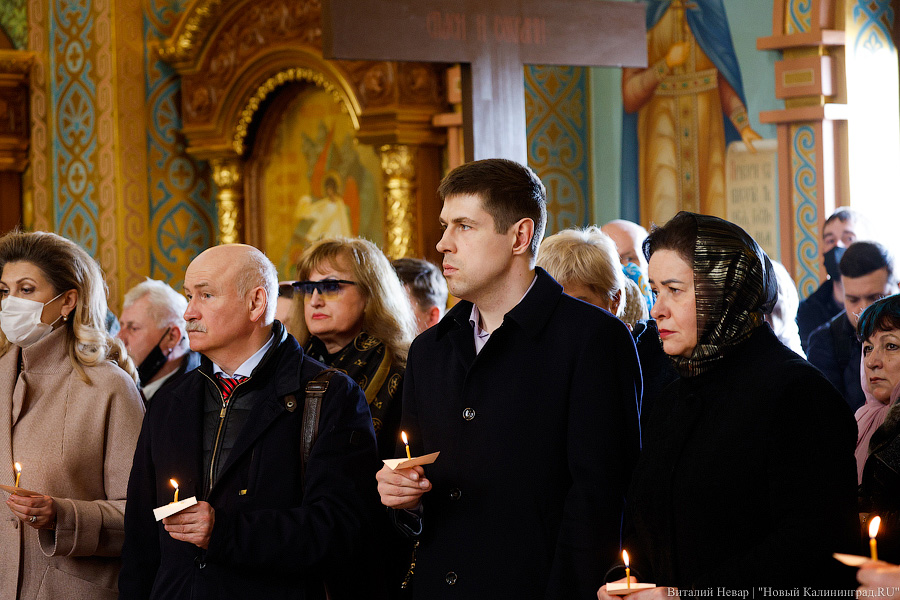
x=325, y=287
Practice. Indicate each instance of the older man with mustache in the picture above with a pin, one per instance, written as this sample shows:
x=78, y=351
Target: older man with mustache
x=267, y=524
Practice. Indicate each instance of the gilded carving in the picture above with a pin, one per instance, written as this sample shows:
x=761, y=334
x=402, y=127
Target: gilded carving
x=269, y=86
x=399, y=172
x=419, y=84
x=228, y=176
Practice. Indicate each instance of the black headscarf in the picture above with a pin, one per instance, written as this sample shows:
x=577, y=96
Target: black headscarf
x=735, y=286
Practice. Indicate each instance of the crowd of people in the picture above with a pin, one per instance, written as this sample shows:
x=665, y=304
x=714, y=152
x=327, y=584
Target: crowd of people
x=600, y=390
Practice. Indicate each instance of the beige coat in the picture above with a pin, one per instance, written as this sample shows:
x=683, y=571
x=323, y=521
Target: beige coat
x=75, y=442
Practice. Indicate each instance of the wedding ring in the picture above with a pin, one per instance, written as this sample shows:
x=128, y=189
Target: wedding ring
x=32, y=519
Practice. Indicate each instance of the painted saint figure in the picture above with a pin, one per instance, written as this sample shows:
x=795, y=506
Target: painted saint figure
x=682, y=111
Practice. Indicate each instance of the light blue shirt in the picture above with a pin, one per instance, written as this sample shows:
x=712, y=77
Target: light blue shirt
x=251, y=363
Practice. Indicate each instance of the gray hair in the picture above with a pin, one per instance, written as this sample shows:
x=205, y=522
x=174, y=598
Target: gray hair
x=258, y=271
x=167, y=307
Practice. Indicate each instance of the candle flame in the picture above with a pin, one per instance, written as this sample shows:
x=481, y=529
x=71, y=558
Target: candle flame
x=405, y=439
x=174, y=483
x=625, y=557
x=18, y=467
x=874, y=524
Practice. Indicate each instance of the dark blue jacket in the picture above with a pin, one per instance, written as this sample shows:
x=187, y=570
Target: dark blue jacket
x=538, y=435
x=817, y=309
x=836, y=351
x=274, y=536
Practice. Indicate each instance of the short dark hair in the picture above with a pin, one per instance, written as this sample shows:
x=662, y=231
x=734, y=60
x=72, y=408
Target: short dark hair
x=843, y=215
x=862, y=258
x=678, y=235
x=508, y=190
x=425, y=282
x=882, y=315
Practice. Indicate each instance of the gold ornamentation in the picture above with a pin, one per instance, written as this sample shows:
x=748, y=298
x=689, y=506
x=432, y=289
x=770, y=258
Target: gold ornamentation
x=227, y=175
x=399, y=199
x=270, y=85
x=197, y=24
x=16, y=62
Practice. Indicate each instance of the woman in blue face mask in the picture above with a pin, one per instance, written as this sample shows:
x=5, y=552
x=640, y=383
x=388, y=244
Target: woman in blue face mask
x=70, y=415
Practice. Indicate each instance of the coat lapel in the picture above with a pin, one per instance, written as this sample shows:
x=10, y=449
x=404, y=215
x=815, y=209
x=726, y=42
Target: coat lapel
x=8, y=375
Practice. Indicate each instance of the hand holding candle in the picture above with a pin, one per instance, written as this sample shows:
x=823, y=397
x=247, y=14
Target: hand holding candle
x=174, y=485
x=18, y=473
x=406, y=442
x=874, y=524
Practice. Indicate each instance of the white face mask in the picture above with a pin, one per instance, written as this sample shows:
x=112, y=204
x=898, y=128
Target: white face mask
x=20, y=320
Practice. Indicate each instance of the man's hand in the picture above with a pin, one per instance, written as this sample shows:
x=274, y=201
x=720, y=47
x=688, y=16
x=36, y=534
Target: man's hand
x=402, y=488
x=194, y=524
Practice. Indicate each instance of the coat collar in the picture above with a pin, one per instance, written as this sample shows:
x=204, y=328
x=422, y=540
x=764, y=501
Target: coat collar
x=531, y=314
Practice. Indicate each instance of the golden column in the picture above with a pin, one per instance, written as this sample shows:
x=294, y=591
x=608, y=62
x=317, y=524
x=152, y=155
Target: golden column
x=399, y=172
x=228, y=175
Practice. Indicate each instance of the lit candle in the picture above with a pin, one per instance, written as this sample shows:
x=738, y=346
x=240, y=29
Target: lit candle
x=174, y=485
x=873, y=531
x=406, y=441
x=18, y=473
x=627, y=569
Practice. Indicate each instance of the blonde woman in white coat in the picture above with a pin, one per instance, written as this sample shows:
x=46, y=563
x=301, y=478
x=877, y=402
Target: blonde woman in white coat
x=70, y=415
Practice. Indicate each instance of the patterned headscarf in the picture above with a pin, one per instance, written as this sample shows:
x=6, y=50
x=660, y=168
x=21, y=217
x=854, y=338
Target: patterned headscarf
x=735, y=286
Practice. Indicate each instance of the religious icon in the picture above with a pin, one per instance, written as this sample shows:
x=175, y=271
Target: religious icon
x=682, y=111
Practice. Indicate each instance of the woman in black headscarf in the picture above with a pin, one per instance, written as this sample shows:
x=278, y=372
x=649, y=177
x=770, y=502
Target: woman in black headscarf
x=747, y=479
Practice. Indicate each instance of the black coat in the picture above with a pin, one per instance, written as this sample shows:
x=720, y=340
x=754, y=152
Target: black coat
x=538, y=436
x=747, y=477
x=273, y=537
x=815, y=310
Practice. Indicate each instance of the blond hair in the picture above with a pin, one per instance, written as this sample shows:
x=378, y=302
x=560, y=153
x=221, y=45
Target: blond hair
x=388, y=315
x=66, y=267
x=587, y=257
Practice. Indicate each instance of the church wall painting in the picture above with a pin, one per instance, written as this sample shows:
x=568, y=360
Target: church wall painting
x=13, y=21
x=317, y=181
x=615, y=178
x=558, y=123
x=182, y=210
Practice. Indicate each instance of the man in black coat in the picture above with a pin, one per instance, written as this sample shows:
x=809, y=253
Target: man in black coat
x=230, y=434
x=532, y=399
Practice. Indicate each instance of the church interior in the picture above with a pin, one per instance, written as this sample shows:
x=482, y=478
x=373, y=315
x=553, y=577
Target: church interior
x=149, y=130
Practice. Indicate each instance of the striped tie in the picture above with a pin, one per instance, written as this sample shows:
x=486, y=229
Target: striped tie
x=227, y=384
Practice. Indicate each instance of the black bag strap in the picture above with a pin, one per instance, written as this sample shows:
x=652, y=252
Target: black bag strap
x=315, y=393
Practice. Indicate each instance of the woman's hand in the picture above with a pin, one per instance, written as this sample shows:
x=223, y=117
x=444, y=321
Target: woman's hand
x=878, y=578
x=37, y=511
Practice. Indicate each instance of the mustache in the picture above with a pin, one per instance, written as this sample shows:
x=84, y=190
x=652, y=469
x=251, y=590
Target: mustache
x=195, y=326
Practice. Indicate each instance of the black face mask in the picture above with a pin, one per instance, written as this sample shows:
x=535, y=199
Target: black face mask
x=833, y=261
x=155, y=361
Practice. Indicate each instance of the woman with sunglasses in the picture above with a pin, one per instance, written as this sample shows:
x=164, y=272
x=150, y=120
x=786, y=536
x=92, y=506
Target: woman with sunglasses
x=352, y=313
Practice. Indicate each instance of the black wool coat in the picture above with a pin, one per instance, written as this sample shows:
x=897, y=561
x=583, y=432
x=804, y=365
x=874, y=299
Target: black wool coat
x=274, y=535
x=538, y=436
x=747, y=478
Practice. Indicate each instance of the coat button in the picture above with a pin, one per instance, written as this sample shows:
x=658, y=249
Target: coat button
x=469, y=414
x=455, y=494
x=450, y=578
x=16, y=524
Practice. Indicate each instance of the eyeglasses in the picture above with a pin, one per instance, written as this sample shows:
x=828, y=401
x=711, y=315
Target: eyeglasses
x=325, y=287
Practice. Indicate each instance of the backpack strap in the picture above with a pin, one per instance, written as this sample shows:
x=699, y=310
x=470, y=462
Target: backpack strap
x=315, y=393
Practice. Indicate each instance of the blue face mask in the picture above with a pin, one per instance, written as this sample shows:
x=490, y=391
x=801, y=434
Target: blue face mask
x=20, y=320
